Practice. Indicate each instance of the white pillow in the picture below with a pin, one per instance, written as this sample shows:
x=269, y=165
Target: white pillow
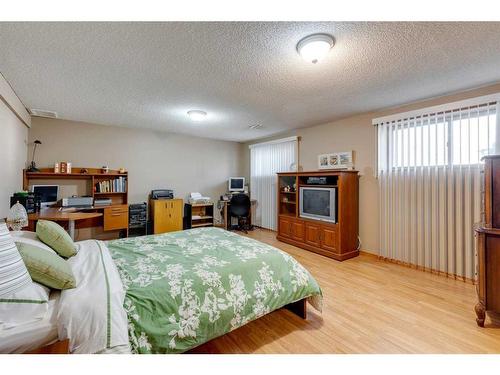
x=24, y=234
x=21, y=300
x=13, y=273
x=30, y=238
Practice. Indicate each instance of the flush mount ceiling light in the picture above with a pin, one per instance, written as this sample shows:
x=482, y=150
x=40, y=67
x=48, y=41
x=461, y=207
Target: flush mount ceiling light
x=197, y=115
x=314, y=47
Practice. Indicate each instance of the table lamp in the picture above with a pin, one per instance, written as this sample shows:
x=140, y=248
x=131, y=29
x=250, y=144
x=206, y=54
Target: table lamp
x=17, y=217
x=32, y=167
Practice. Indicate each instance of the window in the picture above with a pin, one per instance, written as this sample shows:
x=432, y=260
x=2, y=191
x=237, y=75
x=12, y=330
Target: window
x=267, y=159
x=459, y=137
x=430, y=182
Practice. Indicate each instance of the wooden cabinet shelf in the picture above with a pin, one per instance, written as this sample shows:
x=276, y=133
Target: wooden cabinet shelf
x=110, y=193
x=335, y=240
x=202, y=218
x=202, y=225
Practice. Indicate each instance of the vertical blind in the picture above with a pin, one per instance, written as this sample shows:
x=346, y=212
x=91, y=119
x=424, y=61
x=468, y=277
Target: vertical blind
x=267, y=159
x=430, y=184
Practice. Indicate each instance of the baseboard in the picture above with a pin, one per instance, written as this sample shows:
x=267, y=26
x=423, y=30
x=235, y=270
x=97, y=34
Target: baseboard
x=420, y=268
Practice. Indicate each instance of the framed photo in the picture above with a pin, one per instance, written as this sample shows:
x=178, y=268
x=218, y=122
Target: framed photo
x=323, y=161
x=337, y=160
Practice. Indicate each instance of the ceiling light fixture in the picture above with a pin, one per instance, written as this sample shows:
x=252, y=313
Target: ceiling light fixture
x=255, y=126
x=197, y=115
x=314, y=47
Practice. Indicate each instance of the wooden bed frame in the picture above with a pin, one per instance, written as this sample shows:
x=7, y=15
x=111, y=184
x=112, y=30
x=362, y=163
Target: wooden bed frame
x=298, y=308
x=58, y=347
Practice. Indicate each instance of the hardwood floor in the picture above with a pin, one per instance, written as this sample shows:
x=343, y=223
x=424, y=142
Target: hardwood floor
x=370, y=306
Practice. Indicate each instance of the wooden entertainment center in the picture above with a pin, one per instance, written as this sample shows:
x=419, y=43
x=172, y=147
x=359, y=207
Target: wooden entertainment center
x=337, y=240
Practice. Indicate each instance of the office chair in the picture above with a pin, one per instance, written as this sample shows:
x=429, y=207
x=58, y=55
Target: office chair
x=240, y=207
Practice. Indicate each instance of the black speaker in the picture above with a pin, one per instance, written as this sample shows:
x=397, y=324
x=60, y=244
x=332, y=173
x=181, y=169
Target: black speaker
x=30, y=201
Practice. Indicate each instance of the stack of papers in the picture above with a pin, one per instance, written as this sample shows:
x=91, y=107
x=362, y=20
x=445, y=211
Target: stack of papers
x=198, y=198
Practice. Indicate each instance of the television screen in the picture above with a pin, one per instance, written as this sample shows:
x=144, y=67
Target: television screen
x=316, y=202
x=236, y=183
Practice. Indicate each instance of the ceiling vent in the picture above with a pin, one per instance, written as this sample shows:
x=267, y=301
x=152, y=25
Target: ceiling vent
x=43, y=113
x=255, y=126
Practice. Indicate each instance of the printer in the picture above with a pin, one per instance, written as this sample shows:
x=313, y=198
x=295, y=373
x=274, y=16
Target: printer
x=75, y=201
x=162, y=194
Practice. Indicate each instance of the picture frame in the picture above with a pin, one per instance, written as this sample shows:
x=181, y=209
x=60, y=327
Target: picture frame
x=323, y=161
x=336, y=160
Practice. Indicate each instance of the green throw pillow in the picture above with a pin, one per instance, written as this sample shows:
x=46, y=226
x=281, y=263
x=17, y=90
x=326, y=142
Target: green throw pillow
x=53, y=235
x=46, y=268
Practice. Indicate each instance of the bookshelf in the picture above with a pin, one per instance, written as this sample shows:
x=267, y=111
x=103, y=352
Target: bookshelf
x=198, y=215
x=95, y=177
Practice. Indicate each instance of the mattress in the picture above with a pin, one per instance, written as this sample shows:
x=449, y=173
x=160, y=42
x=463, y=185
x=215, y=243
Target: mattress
x=32, y=335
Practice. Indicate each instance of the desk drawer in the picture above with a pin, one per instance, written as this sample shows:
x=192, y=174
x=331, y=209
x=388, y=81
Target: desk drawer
x=116, y=217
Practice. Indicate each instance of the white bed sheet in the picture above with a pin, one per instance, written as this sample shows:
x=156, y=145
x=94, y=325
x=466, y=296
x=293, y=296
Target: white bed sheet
x=92, y=315
x=32, y=335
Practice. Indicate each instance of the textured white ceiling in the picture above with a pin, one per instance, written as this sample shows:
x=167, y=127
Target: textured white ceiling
x=148, y=75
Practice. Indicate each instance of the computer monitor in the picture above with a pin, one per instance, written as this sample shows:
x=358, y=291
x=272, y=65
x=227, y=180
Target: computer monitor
x=47, y=194
x=237, y=184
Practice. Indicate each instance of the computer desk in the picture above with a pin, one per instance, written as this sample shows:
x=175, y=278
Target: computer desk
x=56, y=214
x=226, y=221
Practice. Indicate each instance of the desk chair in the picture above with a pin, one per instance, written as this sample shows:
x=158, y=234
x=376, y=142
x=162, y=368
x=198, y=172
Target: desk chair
x=240, y=208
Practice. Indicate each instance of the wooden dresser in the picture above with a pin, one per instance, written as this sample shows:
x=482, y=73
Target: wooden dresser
x=167, y=215
x=337, y=240
x=488, y=243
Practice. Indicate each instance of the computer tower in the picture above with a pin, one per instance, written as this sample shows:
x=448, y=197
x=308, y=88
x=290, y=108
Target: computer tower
x=30, y=201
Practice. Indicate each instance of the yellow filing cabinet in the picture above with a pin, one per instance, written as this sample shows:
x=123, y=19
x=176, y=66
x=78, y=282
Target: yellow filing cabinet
x=166, y=214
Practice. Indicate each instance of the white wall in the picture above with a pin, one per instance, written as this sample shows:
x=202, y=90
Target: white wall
x=153, y=159
x=13, y=149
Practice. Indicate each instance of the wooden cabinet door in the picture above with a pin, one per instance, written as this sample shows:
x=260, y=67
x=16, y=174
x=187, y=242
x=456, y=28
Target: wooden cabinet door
x=167, y=215
x=160, y=216
x=329, y=239
x=297, y=231
x=175, y=215
x=285, y=227
x=313, y=234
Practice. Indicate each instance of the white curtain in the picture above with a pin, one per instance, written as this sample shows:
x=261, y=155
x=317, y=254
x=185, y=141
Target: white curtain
x=267, y=159
x=429, y=170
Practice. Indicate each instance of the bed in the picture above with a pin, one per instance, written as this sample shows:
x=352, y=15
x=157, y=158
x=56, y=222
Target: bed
x=32, y=335
x=172, y=292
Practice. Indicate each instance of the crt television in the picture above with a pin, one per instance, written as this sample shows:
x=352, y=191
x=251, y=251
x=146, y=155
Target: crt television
x=47, y=194
x=318, y=203
x=237, y=184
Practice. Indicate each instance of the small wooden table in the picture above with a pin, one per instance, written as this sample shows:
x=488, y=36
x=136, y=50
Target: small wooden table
x=57, y=214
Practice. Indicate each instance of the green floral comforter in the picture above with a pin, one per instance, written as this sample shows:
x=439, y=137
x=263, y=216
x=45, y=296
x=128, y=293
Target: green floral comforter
x=188, y=287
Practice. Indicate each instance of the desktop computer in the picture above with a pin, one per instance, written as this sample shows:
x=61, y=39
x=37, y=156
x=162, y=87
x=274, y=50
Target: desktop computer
x=47, y=194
